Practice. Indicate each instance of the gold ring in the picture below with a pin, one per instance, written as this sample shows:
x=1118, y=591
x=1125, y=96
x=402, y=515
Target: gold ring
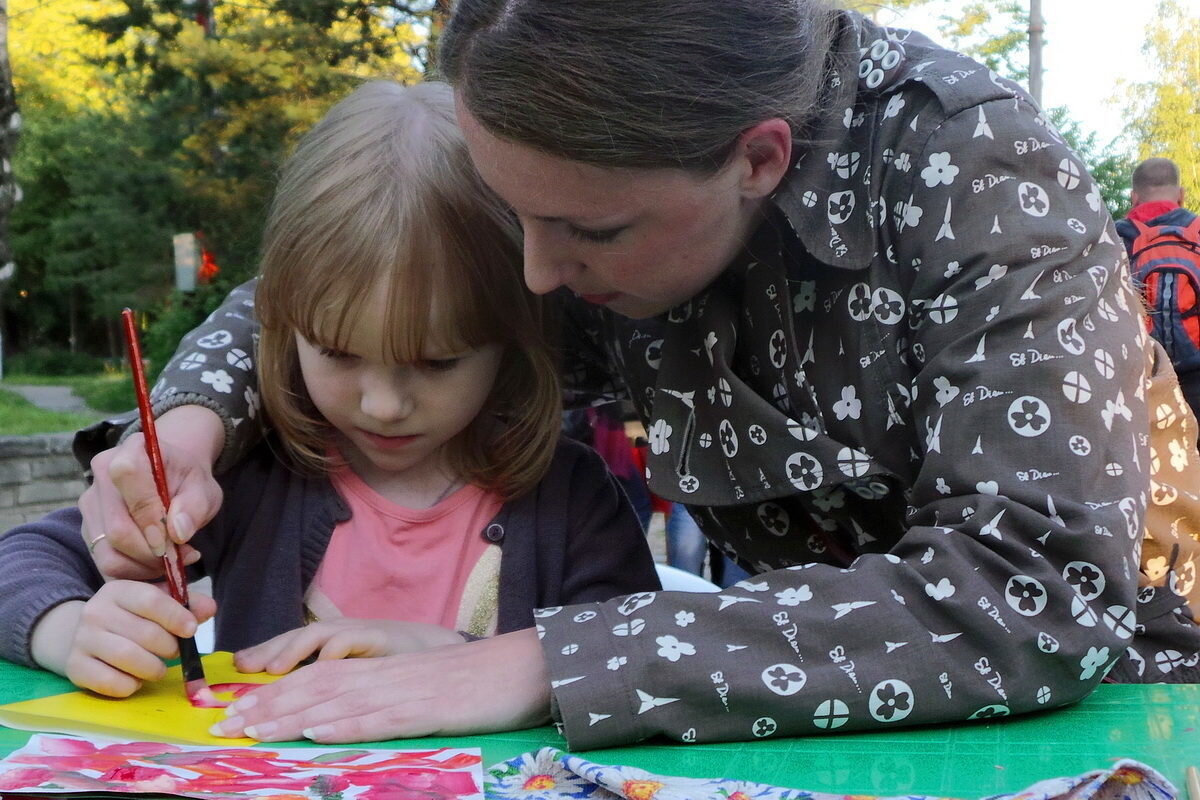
x=93, y=542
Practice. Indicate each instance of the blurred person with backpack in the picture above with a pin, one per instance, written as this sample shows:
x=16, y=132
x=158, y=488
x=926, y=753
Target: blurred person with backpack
x=1163, y=241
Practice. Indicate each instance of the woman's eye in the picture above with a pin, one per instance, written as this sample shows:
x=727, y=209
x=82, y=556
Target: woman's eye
x=599, y=237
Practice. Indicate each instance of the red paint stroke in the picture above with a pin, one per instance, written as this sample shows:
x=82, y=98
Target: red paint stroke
x=207, y=697
x=231, y=772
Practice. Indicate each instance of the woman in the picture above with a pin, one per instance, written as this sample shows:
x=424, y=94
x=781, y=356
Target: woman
x=873, y=314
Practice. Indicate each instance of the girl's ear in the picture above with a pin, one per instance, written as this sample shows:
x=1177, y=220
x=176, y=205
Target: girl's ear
x=765, y=153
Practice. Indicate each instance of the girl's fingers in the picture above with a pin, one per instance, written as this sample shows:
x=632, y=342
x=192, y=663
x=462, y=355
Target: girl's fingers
x=348, y=644
x=140, y=600
x=282, y=653
x=88, y=672
x=119, y=653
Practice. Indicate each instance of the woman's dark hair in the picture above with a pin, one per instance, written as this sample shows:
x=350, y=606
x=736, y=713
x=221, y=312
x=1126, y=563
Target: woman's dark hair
x=625, y=83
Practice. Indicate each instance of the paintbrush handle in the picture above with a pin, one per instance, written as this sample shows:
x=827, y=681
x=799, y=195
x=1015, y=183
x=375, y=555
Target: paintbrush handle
x=172, y=562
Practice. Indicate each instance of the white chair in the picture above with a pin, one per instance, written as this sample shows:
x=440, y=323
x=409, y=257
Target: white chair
x=678, y=580
x=204, y=637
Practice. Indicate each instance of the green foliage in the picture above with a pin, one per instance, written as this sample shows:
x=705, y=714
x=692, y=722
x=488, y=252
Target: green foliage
x=110, y=393
x=158, y=126
x=1164, y=115
x=47, y=361
x=993, y=32
x=19, y=417
x=92, y=235
x=181, y=312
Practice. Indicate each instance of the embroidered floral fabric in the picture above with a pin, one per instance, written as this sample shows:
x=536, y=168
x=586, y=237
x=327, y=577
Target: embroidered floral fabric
x=551, y=774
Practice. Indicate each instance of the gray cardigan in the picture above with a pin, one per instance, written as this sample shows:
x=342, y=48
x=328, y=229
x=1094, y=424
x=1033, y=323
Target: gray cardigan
x=573, y=539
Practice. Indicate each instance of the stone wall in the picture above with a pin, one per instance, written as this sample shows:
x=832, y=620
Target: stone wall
x=37, y=474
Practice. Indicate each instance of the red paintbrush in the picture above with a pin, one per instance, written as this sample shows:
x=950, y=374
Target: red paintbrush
x=189, y=657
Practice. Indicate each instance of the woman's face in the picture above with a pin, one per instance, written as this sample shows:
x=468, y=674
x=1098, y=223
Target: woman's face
x=638, y=241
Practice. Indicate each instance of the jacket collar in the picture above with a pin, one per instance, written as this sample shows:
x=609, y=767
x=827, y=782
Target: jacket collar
x=827, y=197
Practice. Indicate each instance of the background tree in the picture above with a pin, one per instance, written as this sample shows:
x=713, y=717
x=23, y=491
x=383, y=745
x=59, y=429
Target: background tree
x=1164, y=115
x=10, y=123
x=153, y=117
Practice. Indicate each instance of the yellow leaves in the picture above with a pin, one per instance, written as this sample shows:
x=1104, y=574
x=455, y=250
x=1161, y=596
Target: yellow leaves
x=52, y=54
x=1164, y=114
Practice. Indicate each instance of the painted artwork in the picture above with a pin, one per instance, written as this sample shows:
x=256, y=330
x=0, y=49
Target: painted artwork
x=159, y=711
x=51, y=766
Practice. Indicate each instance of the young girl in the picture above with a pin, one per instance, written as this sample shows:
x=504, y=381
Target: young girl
x=415, y=491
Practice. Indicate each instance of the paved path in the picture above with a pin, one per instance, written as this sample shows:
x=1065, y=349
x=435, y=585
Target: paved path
x=51, y=398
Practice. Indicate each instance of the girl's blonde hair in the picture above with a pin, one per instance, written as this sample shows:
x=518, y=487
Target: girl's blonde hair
x=381, y=192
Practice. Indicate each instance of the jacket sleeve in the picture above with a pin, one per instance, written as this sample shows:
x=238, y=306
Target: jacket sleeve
x=42, y=564
x=1013, y=586
x=212, y=367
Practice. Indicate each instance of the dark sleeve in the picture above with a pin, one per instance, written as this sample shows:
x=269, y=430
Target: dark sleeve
x=607, y=554
x=42, y=564
x=213, y=367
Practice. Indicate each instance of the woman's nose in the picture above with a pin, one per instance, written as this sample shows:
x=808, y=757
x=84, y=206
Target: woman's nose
x=547, y=264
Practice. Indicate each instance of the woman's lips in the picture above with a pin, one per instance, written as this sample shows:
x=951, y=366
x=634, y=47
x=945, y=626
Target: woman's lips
x=600, y=299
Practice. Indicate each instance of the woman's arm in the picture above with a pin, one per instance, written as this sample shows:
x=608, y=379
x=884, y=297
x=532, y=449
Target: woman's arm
x=207, y=412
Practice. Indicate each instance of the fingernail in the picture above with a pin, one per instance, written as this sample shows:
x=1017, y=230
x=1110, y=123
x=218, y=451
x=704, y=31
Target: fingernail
x=155, y=535
x=319, y=732
x=189, y=628
x=247, y=702
x=262, y=731
x=225, y=728
x=183, y=527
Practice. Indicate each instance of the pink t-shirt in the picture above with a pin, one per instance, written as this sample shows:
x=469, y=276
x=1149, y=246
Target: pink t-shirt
x=391, y=562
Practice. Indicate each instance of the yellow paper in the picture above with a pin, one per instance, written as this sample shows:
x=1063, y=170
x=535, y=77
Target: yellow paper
x=157, y=712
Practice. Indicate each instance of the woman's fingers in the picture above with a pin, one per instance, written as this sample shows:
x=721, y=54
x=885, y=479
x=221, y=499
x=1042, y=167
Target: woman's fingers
x=130, y=474
x=127, y=528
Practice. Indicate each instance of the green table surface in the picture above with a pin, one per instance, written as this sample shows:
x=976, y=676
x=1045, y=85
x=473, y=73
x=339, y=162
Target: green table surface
x=1156, y=724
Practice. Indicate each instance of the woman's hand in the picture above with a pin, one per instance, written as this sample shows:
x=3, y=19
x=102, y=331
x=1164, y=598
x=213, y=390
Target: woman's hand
x=494, y=684
x=345, y=637
x=122, y=513
x=118, y=638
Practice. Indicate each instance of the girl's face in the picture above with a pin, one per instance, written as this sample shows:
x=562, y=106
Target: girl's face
x=638, y=241
x=394, y=419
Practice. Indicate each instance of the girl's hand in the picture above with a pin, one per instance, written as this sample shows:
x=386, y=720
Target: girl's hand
x=495, y=684
x=345, y=637
x=117, y=639
x=122, y=504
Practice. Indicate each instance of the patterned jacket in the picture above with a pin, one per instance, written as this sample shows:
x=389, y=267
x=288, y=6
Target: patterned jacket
x=920, y=407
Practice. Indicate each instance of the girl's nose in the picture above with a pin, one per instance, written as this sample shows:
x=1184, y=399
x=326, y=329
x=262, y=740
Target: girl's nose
x=386, y=395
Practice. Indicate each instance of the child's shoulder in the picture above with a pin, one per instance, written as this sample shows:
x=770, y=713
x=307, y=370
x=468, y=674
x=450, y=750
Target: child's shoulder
x=574, y=463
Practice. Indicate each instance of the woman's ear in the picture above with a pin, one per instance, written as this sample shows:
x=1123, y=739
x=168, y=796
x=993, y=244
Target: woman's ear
x=765, y=152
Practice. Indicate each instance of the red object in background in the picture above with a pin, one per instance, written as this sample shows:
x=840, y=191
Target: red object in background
x=208, y=265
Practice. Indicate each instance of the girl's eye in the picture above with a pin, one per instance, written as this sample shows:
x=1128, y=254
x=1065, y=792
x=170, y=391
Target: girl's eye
x=335, y=355
x=598, y=237
x=440, y=364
